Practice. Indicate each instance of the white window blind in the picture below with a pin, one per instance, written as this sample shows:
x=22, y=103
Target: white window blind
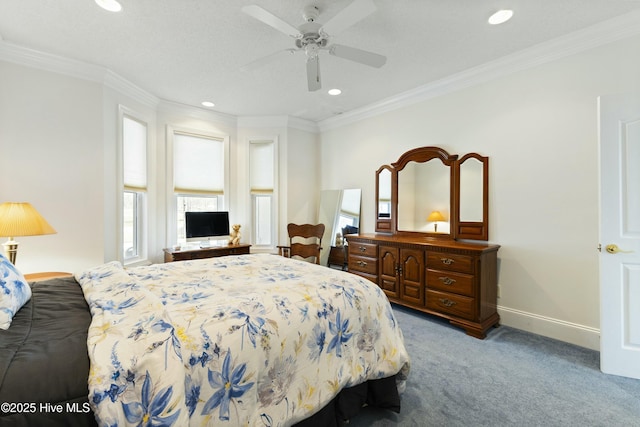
x=198, y=164
x=261, y=158
x=134, y=138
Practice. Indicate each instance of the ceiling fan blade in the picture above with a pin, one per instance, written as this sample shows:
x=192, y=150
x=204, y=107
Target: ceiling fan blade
x=270, y=19
x=348, y=16
x=358, y=55
x=313, y=73
x=267, y=59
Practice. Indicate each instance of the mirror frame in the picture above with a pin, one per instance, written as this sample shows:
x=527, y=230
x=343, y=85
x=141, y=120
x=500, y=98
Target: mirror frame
x=458, y=229
x=473, y=230
x=384, y=224
x=422, y=155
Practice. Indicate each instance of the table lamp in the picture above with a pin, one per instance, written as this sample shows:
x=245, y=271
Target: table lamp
x=20, y=219
x=434, y=217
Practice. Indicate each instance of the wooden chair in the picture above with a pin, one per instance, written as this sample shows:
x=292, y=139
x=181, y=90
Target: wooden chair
x=305, y=241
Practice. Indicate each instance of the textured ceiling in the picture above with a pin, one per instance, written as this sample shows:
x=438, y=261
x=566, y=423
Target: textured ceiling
x=188, y=51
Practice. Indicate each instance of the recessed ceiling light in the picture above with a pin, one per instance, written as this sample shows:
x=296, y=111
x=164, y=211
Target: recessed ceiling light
x=110, y=5
x=334, y=92
x=208, y=104
x=500, y=17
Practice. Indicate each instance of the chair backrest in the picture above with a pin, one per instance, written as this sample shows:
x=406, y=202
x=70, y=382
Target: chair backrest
x=305, y=240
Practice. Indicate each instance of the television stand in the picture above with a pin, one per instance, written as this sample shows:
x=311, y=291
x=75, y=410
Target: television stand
x=185, y=254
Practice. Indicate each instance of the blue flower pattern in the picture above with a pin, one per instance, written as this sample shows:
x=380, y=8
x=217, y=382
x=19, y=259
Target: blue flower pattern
x=229, y=340
x=14, y=292
x=152, y=408
x=228, y=385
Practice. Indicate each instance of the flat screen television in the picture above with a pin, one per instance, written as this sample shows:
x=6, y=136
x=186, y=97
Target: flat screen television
x=204, y=226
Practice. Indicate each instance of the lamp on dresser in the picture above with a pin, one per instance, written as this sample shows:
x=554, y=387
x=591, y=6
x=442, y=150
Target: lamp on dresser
x=20, y=219
x=434, y=217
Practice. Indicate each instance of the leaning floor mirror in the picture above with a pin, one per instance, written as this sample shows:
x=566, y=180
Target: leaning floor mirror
x=339, y=210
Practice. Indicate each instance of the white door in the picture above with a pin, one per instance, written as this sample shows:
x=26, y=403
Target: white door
x=620, y=234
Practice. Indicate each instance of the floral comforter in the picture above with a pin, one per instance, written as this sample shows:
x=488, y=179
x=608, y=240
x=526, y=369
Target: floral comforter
x=251, y=340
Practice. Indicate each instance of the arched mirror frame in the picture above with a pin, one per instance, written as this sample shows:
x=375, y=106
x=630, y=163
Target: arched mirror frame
x=384, y=222
x=459, y=229
x=422, y=155
x=473, y=230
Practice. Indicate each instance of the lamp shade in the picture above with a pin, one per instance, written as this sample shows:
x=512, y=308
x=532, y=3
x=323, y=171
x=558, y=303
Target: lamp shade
x=435, y=216
x=21, y=219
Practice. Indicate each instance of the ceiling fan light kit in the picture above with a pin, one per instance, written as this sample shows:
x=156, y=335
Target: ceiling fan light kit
x=312, y=37
x=110, y=5
x=500, y=17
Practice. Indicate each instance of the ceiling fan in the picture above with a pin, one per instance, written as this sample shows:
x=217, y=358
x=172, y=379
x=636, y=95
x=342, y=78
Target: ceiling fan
x=312, y=37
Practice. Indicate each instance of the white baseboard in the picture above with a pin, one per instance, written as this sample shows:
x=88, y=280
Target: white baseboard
x=581, y=335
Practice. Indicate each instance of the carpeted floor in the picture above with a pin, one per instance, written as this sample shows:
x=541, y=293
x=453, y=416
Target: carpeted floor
x=512, y=378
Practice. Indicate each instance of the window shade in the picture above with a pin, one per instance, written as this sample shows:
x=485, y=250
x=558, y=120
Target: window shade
x=198, y=164
x=134, y=153
x=261, y=164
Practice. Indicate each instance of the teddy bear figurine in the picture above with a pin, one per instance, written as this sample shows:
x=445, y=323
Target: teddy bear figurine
x=234, y=236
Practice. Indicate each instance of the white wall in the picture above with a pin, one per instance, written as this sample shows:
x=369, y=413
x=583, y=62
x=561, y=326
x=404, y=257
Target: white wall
x=303, y=193
x=539, y=128
x=51, y=142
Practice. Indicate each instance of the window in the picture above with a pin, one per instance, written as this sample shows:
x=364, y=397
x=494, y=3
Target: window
x=262, y=176
x=186, y=203
x=134, y=161
x=199, y=176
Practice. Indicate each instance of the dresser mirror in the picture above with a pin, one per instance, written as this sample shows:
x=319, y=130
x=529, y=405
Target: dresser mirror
x=435, y=194
x=424, y=188
x=473, y=183
x=383, y=198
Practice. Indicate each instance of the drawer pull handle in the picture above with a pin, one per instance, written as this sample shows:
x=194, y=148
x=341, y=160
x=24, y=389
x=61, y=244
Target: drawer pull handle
x=447, y=280
x=447, y=302
x=362, y=249
x=447, y=261
x=361, y=263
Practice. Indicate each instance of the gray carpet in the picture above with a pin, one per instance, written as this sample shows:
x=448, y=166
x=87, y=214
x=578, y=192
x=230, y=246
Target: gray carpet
x=512, y=378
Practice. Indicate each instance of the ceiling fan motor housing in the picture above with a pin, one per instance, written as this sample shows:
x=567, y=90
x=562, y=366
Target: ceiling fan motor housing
x=310, y=13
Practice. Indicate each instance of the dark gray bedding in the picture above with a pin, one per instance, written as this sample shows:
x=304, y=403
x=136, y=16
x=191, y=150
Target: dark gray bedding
x=43, y=359
x=44, y=366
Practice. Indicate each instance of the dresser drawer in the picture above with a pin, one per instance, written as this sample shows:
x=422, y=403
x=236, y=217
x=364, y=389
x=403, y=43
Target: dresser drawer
x=364, y=249
x=448, y=281
x=363, y=264
x=447, y=261
x=453, y=304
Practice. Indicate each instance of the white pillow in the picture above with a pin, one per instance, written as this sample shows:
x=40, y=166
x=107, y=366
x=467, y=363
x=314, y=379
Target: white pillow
x=14, y=291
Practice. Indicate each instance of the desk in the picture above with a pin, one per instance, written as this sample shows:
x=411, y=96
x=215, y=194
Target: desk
x=185, y=254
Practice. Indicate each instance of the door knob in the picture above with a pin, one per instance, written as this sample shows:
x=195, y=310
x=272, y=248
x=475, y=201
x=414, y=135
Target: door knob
x=614, y=249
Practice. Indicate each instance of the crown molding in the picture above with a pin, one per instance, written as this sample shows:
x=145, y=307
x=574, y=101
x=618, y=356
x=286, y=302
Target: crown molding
x=197, y=113
x=46, y=61
x=20, y=55
x=70, y=67
x=277, y=122
x=124, y=86
x=303, y=124
x=606, y=32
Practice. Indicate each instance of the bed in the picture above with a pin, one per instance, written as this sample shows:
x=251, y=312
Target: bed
x=253, y=340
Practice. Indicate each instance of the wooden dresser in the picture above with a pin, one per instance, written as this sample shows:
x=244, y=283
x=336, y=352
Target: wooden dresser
x=447, y=278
